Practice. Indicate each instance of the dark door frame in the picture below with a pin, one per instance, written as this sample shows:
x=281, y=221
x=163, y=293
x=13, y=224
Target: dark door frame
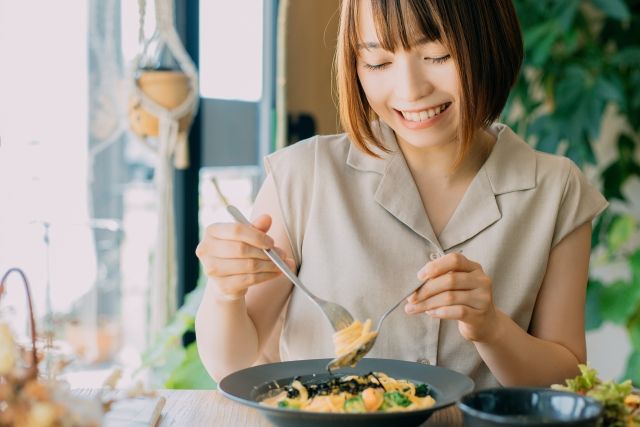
x=187, y=181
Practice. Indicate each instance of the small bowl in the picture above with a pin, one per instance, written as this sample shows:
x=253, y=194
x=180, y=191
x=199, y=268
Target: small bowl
x=512, y=406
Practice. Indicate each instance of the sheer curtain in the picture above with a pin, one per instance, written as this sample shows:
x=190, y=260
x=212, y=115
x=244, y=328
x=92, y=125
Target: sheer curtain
x=43, y=128
x=77, y=206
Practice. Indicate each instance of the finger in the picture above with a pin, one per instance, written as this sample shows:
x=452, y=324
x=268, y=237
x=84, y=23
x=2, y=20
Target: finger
x=471, y=298
x=229, y=249
x=291, y=263
x=235, y=284
x=453, y=261
x=453, y=312
x=217, y=267
x=240, y=232
x=262, y=222
x=451, y=281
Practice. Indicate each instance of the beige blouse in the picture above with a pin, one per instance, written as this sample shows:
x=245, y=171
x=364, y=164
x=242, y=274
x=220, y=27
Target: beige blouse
x=360, y=234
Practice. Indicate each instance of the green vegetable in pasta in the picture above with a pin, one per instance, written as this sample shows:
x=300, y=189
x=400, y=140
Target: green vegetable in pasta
x=393, y=399
x=354, y=405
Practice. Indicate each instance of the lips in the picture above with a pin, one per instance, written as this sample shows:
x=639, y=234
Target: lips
x=423, y=115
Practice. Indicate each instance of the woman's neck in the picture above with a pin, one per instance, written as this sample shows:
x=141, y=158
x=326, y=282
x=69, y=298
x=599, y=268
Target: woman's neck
x=435, y=163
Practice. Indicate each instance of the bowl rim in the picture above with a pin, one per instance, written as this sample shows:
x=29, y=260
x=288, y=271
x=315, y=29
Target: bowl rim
x=466, y=383
x=518, y=420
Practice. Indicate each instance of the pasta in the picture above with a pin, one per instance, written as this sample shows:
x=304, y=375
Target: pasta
x=351, y=338
x=374, y=392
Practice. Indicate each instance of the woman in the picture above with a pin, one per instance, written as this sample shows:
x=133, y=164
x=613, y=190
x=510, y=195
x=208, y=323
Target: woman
x=423, y=186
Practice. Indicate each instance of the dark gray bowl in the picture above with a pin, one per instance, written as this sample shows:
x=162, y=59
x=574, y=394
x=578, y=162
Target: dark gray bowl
x=528, y=407
x=247, y=385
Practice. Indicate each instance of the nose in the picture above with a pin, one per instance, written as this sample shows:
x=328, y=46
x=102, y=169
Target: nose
x=412, y=80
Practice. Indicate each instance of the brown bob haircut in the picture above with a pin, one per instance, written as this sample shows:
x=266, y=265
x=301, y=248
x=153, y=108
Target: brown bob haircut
x=483, y=37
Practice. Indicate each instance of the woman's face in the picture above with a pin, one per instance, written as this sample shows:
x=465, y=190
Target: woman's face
x=415, y=92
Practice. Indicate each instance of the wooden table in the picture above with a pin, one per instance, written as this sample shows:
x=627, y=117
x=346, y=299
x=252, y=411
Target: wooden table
x=210, y=408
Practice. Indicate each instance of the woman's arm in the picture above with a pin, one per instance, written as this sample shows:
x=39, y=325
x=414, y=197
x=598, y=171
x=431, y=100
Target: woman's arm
x=231, y=333
x=458, y=289
x=555, y=344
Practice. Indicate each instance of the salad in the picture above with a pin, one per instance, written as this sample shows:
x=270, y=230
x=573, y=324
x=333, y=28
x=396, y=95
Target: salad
x=621, y=403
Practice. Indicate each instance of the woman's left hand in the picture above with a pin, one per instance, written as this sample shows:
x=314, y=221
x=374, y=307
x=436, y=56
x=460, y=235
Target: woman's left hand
x=457, y=289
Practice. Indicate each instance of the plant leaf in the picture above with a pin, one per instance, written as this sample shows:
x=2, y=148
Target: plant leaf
x=633, y=368
x=593, y=311
x=621, y=231
x=628, y=56
x=607, y=90
x=191, y=374
x=634, y=262
x=618, y=301
x=616, y=9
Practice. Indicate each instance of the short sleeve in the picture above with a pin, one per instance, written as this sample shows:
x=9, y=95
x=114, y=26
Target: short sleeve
x=581, y=202
x=292, y=170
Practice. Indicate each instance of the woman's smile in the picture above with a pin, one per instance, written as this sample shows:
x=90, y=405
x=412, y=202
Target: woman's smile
x=422, y=119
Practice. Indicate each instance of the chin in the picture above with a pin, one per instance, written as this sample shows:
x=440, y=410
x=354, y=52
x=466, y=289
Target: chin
x=428, y=139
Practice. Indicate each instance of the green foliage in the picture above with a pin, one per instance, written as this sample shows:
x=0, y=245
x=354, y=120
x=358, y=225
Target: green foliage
x=190, y=374
x=582, y=56
x=173, y=365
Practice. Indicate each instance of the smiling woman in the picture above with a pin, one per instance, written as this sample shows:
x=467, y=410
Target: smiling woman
x=424, y=186
x=420, y=37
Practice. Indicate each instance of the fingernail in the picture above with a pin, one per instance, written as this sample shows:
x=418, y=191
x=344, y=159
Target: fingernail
x=422, y=274
x=409, y=309
x=268, y=241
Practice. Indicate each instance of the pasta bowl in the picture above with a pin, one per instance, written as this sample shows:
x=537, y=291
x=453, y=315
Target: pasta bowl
x=248, y=386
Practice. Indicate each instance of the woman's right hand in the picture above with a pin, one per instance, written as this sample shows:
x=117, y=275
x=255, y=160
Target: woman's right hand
x=232, y=257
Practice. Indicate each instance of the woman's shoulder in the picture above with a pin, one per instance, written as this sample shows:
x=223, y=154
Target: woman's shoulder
x=307, y=153
x=522, y=158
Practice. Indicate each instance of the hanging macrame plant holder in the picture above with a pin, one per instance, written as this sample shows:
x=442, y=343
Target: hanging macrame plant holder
x=164, y=100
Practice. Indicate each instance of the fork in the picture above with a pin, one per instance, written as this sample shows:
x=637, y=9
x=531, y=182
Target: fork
x=350, y=359
x=337, y=315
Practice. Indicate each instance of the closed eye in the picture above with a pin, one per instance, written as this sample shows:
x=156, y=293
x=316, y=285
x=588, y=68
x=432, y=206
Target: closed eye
x=377, y=66
x=439, y=60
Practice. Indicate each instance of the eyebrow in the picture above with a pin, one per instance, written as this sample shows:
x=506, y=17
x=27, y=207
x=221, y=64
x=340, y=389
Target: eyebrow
x=375, y=45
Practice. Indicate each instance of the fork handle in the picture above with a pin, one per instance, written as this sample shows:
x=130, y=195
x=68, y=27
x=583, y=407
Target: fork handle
x=386, y=313
x=273, y=255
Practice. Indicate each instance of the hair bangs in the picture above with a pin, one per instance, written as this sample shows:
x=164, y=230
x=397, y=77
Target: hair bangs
x=405, y=23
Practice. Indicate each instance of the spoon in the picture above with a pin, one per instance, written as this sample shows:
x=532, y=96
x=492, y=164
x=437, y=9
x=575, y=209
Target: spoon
x=352, y=358
x=337, y=315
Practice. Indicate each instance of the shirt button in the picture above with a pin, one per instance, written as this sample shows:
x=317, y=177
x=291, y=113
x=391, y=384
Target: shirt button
x=424, y=361
x=434, y=256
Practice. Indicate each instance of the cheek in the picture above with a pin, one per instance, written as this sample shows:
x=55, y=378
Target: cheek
x=374, y=88
x=448, y=78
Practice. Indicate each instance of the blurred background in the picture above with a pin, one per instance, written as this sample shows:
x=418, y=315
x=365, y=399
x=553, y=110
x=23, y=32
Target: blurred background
x=104, y=218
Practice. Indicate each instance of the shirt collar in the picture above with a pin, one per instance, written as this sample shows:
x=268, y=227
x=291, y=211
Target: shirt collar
x=511, y=166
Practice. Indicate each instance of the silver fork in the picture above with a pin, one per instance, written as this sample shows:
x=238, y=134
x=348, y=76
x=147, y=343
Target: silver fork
x=337, y=315
x=350, y=359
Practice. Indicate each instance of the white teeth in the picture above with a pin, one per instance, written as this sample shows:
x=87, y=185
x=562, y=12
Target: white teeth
x=424, y=114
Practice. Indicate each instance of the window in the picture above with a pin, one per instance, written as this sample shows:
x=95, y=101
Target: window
x=231, y=49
